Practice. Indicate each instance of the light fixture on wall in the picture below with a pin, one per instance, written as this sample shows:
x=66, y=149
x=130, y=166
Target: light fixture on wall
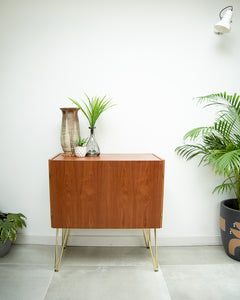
x=224, y=25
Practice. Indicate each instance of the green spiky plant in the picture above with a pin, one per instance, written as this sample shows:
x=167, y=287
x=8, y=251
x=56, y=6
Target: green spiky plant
x=93, y=107
x=81, y=142
x=8, y=225
x=218, y=145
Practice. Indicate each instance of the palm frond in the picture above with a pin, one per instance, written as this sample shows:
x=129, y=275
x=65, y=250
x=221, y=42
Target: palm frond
x=213, y=141
x=224, y=188
x=93, y=108
x=226, y=161
x=193, y=134
x=227, y=186
x=190, y=151
x=228, y=122
x=222, y=99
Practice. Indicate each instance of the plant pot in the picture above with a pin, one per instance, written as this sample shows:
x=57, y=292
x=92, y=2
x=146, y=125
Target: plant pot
x=80, y=151
x=230, y=228
x=5, y=248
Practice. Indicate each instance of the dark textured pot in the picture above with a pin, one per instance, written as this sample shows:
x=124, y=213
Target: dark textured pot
x=230, y=228
x=5, y=248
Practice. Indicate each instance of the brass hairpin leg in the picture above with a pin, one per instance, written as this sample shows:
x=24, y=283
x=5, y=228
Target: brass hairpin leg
x=147, y=238
x=65, y=233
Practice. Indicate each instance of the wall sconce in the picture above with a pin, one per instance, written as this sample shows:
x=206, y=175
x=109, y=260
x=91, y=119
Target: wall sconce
x=224, y=25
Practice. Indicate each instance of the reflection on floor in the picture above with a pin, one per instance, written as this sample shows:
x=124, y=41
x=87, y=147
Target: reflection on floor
x=112, y=273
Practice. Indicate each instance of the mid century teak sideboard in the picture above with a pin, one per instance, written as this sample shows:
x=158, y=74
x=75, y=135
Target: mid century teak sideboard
x=107, y=191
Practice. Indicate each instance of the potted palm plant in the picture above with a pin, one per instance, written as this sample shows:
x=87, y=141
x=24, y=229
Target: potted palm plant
x=218, y=145
x=92, y=109
x=80, y=149
x=8, y=230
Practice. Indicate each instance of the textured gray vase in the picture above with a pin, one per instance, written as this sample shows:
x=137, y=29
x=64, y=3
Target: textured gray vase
x=4, y=248
x=70, y=130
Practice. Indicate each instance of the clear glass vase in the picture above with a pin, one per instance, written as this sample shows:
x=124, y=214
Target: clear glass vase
x=92, y=145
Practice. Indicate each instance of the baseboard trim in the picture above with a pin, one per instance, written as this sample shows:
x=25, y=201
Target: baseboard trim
x=116, y=240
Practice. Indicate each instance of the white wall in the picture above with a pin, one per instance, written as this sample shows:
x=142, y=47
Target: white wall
x=151, y=57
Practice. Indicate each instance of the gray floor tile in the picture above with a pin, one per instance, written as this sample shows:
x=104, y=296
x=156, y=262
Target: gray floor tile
x=193, y=255
x=24, y=282
x=108, y=283
x=103, y=273
x=208, y=282
x=107, y=256
x=29, y=254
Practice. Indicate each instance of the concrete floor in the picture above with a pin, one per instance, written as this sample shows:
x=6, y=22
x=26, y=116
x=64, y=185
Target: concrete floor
x=119, y=273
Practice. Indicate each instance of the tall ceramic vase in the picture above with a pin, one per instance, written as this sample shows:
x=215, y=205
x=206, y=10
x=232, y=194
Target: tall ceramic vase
x=70, y=131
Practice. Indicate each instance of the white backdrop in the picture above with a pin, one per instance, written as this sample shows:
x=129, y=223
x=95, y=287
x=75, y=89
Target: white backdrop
x=151, y=57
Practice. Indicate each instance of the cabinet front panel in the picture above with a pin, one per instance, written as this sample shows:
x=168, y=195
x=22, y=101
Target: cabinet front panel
x=106, y=194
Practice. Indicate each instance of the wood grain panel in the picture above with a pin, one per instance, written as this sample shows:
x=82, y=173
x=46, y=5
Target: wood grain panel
x=106, y=193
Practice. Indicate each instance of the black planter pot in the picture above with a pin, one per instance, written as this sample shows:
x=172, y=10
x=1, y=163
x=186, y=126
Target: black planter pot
x=5, y=248
x=230, y=228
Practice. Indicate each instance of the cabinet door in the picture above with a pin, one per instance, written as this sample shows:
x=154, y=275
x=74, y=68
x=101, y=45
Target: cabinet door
x=106, y=194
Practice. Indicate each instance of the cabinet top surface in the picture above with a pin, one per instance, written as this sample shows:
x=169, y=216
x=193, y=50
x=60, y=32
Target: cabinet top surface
x=110, y=157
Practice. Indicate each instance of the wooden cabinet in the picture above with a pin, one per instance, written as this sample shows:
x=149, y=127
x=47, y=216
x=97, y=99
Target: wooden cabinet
x=108, y=191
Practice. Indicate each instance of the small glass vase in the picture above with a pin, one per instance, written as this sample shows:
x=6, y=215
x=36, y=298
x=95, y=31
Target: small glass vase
x=92, y=146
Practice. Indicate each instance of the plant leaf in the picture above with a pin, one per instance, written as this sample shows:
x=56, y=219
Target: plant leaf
x=219, y=144
x=93, y=108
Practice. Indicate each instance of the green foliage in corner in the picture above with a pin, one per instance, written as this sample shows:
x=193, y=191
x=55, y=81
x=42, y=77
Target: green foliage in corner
x=9, y=224
x=218, y=145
